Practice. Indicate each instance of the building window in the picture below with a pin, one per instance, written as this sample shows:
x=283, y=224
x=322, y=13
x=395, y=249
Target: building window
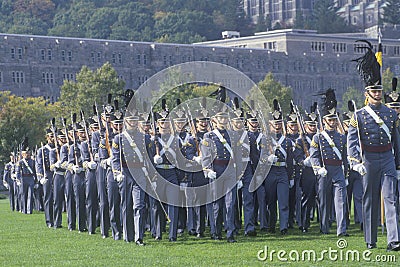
x=1, y=77
x=270, y=46
x=165, y=60
x=19, y=53
x=369, y=18
x=119, y=58
x=49, y=55
x=12, y=53
x=98, y=57
x=359, y=49
x=339, y=47
x=138, y=59
x=354, y=20
x=170, y=60
x=17, y=77
x=69, y=55
x=396, y=51
x=42, y=54
x=63, y=55
x=144, y=59
x=92, y=57
x=318, y=46
x=113, y=58
x=189, y=58
x=68, y=76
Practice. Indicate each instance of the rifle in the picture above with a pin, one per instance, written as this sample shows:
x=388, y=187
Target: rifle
x=263, y=125
x=73, y=119
x=154, y=129
x=87, y=136
x=43, y=161
x=319, y=130
x=107, y=135
x=64, y=124
x=193, y=129
x=54, y=131
x=302, y=129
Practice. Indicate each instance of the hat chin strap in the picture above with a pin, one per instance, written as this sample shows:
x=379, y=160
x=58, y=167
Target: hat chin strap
x=376, y=99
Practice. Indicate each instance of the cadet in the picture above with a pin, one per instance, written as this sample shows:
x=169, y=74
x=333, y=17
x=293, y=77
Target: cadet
x=374, y=128
x=26, y=173
x=8, y=181
x=277, y=182
x=45, y=175
x=218, y=143
x=308, y=179
x=328, y=159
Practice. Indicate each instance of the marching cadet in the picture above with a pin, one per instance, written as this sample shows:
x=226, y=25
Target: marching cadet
x=69, y=174
x=114, y=198
x=75, y=160
x=241, y=140
x=129, y=150
x=8, y=181
x=277, y=181
x=59, y=169
x=355, y=188
x=162, y=144
x=45, y=175
x=90, y=167
x=26, y=173
x=308, y=179
x=294, y=188
x=101, y=150
x=328, y=159
x=373, y=127
x=198, y=180
x=218, y=143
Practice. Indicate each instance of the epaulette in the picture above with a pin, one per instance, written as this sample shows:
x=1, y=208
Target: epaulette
x=115, y=145
x=102, y=146
x=353, y=159
x=313, y=144
x=353, y=122
x=298, y=145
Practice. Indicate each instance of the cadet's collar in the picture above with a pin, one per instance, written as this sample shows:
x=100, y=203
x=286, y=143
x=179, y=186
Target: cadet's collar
x=278, y=135
x=377, y=106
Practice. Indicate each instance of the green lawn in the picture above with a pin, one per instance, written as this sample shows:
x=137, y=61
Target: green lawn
x=25, y=241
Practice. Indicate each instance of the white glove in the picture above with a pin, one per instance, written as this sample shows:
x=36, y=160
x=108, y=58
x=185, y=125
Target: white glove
x=145, y=171
x=92, y=165
x=212, y=175
x=119, y=177
x=6, y=184
x=346, y=182
x=18, y=182
x=398, y=174
x=239, y=184
x=197, y=159
x=307, y=162
x=103, y=163
x=291, y=183
x=108, y=161
x=154, y=185
x=43, y=181
x=322, y=172
x=96, y=156
x=77, y=169
x=360, y=168
x=272, y=158
x=57, y=164
x=158, y=159
x=36, y=186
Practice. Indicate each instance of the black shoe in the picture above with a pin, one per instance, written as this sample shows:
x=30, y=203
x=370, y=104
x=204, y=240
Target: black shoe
x=343, y=234
x=200, y=235
x=303, y=230
x=172, y=239
x=371, y=246
x=191, y=232
x=157, y=238
x=139, y=242
x=271, y=231
x=91, y=233
x=231, y=239
x=251, y=233
x=216, y=237
x=284, y=232
x=393, y=246
x=49, y=225
x=361, y=226
x=57, y=226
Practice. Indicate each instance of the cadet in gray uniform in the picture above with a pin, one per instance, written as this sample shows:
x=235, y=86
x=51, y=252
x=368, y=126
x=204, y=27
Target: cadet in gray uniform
x=328, y=159
x=374, y=128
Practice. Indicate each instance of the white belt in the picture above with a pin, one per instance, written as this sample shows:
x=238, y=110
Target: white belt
x=279, y=164
x=245, y=159
x=59, y=173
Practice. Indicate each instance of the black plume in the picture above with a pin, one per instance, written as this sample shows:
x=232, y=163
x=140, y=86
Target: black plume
x=94, y=110
x=276, y=105
x=330, y=99
x=128, y=96
x=178, y=101
x=74, y=118
x=163, y=104
x=220, y=93
x=394, y=84
x=236, y=102
x=116, y=104
x=314, y=107
x=53, y=122
x=350, y=106
x=109, y=97
x=368, y=66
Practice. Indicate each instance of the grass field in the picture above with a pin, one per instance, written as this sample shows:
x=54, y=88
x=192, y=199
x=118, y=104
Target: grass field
x=25, y=241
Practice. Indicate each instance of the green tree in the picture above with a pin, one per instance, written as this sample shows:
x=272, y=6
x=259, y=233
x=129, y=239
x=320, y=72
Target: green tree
x=387, y=77
x=90, y=86
x=354, y=94
x=100, y=23
x=20, y=117
x=391, y=12
x=272, y=89
x=326, y=20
